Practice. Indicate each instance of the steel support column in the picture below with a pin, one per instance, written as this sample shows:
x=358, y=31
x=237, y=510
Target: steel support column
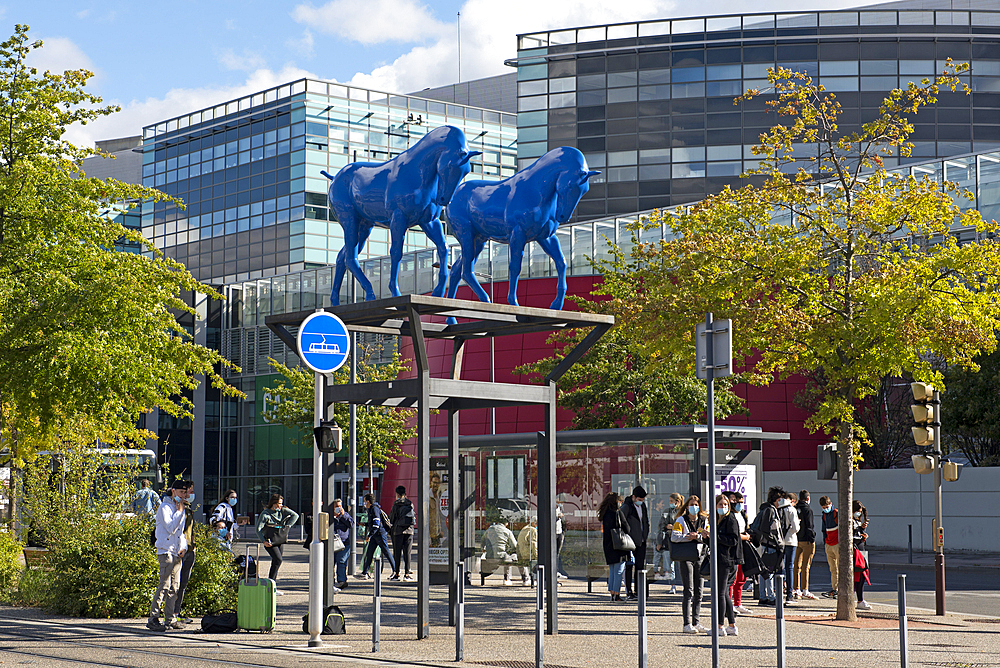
x=547, y=511
x=454, y=503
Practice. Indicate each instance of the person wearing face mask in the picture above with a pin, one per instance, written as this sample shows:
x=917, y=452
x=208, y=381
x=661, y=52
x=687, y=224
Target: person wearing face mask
x=226, y=512
x=690, y=526
x=768, y=524
x=830, y=526
x=730, y=547
x=220, y=533
x=664, y=526
x=736, y=589
x=341, y=524
x=189, y=556
x=610, y=516
x=859, y=525
x=274, y=518
x=637, y=515
x=789, y=520
x=806, y=549
x=170, y=550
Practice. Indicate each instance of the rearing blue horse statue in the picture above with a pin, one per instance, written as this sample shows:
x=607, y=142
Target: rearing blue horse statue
x=526, y=207
x=411, y=189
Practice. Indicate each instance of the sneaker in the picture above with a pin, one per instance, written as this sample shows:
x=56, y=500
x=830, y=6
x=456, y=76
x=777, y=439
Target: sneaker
x=740, y=610
x=362, y=576
x=409, y=577
x=830, y=594
x=732, y=630
x=768, y=602
x=278, y=592
x=186, y=620
x=689, y=629
x=673, y=589
x=562, y=576
x=394, y=577
x=797, y=594
x=809, y=595
x=176, y=624
x=700, y=627
x=631, y=597
x=789, y=602
x=336, y=590
x=508, y=583
x=341, y=585
x=154, y=624
x=525, y=582
x=864, y=605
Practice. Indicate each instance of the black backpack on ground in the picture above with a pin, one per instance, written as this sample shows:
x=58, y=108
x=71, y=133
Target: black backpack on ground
x=222, y=621
x=333, y=621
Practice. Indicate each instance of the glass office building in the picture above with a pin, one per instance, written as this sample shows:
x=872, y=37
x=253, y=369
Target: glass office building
x=248, y=171
x=651, y=103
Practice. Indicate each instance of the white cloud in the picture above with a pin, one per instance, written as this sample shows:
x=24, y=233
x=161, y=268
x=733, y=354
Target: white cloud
x=138, y=113
x=373, y=21
x=83, y=13
x=489, y=35
x=247, y=61
x=59, y=54
x=303, y=45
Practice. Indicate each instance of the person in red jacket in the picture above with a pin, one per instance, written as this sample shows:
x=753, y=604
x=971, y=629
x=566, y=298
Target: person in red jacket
x=830, y=531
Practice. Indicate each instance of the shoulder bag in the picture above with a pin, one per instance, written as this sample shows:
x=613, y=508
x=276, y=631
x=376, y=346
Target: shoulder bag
x=620, y=539
x=689, y=550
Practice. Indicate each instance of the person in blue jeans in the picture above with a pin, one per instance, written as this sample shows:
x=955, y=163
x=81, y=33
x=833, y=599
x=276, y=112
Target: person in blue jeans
x=611, y=518
x=341, y=524
x=377, y=537
x=789, y=520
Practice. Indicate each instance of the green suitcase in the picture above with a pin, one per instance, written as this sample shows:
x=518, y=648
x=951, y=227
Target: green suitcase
x=256, y=604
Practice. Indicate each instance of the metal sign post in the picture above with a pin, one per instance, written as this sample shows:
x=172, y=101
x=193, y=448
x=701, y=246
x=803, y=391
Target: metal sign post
x=779, y=616
x=643, y=636
x=713, y=350
x=323, y=345
x=540, y=619
x=377, y=606
x=460, y=617
x=904, y=643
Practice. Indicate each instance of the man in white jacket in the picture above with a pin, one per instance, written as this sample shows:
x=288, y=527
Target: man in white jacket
x=170, y=550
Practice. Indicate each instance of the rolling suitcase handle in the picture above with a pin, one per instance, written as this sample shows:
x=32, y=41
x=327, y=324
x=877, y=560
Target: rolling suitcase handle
x=246, y=566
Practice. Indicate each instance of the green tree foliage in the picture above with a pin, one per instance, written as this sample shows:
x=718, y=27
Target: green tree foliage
x=88, y=339
x=10, y=564
x=381, y=429
x=838, y=266
x=617, y=384
x=971, y=411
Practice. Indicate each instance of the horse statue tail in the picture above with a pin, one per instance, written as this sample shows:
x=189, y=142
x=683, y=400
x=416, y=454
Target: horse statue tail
x=326, y=174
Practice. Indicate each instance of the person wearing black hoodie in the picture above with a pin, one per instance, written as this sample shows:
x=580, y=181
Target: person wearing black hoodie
x=401, y=517
x=806, y=547
x=637, y=515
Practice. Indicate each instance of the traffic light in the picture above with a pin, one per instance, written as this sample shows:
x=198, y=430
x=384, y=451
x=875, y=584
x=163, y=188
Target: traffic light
x=926, y=415
x=328, y=437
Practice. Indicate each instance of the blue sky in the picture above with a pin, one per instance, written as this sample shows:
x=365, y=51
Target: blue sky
x=160, y=59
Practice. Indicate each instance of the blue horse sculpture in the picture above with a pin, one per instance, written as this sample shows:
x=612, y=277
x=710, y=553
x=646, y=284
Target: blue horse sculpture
x=528, y=206
x=411, y=189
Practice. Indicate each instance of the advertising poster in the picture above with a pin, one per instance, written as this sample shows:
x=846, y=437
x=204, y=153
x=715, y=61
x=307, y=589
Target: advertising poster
x=437, y=521
x=740, y=478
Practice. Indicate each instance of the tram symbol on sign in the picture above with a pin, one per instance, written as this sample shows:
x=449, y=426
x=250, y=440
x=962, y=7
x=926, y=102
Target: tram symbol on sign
x=324, y=348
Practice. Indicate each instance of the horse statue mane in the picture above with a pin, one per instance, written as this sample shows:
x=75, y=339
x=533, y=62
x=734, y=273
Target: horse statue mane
x=407, y=191
x=528, y=206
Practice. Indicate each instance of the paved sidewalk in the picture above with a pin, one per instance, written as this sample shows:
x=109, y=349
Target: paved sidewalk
x=593, y=632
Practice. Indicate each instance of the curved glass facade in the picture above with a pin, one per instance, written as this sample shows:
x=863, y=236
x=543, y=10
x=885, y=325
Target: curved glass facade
x=651, y=103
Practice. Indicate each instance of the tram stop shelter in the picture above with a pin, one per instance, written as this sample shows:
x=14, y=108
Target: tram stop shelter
x=422, y=318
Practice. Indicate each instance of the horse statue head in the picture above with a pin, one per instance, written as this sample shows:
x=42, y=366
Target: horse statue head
x=573, y=183
x=453, y=163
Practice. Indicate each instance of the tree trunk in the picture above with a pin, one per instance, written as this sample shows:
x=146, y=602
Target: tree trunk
x=846, y=609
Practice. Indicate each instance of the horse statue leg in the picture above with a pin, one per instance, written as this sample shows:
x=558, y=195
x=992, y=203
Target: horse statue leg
x=355, y=235
x=338, y=276
x=552, y=246
x=469, y=269
x=397, y=235
x=435, y=232
x=516, y=249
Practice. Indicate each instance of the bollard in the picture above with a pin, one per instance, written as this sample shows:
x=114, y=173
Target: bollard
x=540, y=620
x=779, y=616
x=460, y=618
x=909, y=543
x=643, y=637
x=904, y=643
x=377, y=605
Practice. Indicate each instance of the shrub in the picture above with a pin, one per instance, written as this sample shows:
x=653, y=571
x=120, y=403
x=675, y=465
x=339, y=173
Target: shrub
x=213, y=583
x=10, y=562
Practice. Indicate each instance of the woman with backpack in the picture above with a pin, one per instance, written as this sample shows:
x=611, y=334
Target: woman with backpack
x=612, y=518
x=736, y=506
x=688, y=536
x=730, y=546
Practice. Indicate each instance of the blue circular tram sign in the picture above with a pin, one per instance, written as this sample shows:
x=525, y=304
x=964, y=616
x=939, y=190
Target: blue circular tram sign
x=324, y=343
